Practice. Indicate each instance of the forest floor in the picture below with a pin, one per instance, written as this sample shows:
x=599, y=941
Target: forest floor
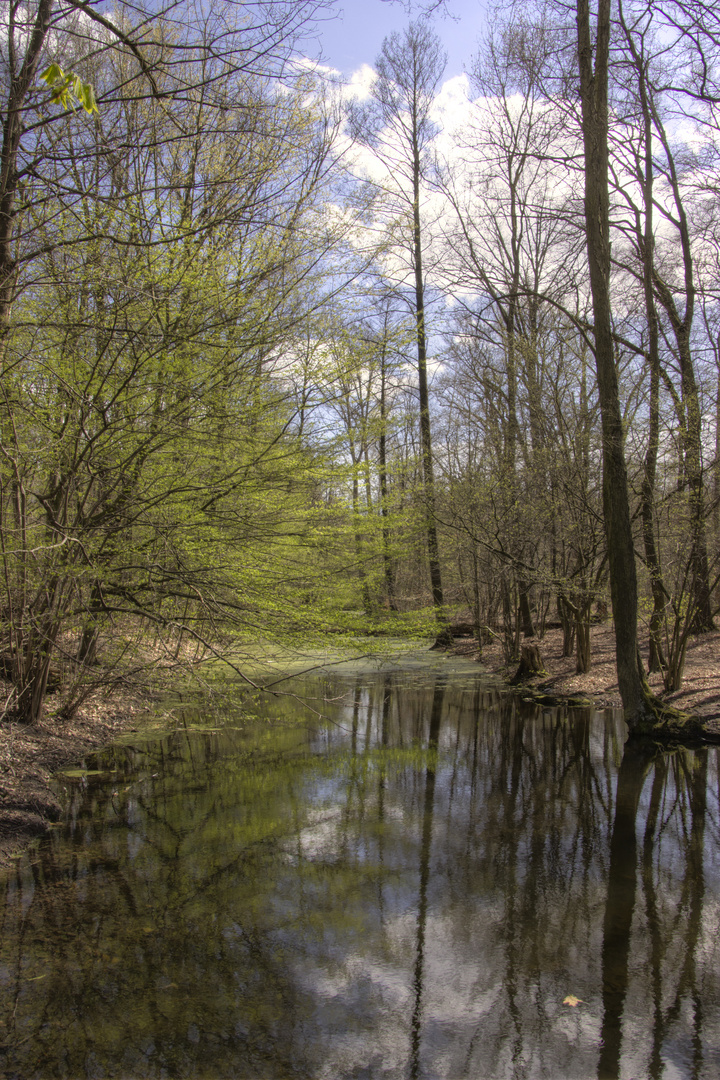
x=30, y=756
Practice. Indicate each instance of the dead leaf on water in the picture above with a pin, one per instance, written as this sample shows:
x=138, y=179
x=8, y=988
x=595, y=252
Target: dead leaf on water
x=572, y=1000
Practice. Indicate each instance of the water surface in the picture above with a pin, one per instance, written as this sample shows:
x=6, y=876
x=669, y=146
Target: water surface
x=410, y=888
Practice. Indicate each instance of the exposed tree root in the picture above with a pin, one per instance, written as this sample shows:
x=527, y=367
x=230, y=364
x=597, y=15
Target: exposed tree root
x=664, y=723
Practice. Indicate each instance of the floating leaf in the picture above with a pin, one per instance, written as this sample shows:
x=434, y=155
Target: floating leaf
x=572, y=1000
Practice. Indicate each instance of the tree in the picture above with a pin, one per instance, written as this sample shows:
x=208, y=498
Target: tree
x=399, y=129
x=669, y=264
x=593, y=56
x=514, y=261
x=147, y=438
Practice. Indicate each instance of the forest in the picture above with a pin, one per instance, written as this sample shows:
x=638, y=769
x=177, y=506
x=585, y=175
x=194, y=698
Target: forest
x=283, y=358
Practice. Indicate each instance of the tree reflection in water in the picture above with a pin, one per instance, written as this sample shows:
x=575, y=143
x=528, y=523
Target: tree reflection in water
x=409, y=891
x=425, y=842
x=678, y=790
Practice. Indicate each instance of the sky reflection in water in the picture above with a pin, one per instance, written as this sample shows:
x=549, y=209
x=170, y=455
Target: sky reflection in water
x=410, y=890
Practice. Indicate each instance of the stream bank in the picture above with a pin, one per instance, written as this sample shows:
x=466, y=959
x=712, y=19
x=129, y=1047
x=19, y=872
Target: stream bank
x=560, y=683
x=31, y=755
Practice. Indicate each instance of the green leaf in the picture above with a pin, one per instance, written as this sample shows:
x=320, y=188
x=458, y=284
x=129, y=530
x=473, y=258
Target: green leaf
x=87, y=99
x=52, y=74
x=69, y=90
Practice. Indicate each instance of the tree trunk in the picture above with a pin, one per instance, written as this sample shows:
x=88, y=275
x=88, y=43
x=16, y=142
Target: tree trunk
x=583, y=651
x=425, y=435
x=647, y=497
x=647, y=510
x=477, y=614
x=384, y=508
x=511, y=624
x=359, y=544
x=567, y=619
x=526, y=621
x=621, y=553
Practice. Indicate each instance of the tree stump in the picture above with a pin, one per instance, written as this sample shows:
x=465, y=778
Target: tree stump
x=444, y=639
x=531, y=663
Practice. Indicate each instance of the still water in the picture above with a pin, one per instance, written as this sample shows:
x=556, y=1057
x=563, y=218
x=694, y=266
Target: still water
x=410, y=887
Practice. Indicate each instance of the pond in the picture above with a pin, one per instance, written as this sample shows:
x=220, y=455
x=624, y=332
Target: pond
x=432, y=880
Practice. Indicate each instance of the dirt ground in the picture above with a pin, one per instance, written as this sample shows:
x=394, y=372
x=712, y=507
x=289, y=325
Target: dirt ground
x=30, y=756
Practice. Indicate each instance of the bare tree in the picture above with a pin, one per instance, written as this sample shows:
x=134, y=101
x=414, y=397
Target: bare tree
x=509, y=247
x=399, y=129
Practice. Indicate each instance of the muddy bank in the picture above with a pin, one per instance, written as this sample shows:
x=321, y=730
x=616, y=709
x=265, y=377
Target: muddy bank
x=700, y=693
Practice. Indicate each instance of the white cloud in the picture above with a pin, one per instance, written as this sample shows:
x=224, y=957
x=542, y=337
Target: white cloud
x=358, y=89
x=452, y=107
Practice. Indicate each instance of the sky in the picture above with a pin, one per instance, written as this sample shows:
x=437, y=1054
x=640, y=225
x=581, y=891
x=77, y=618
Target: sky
x=355, y=36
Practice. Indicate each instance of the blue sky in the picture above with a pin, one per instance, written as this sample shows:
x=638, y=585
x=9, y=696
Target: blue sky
x=355, y=36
